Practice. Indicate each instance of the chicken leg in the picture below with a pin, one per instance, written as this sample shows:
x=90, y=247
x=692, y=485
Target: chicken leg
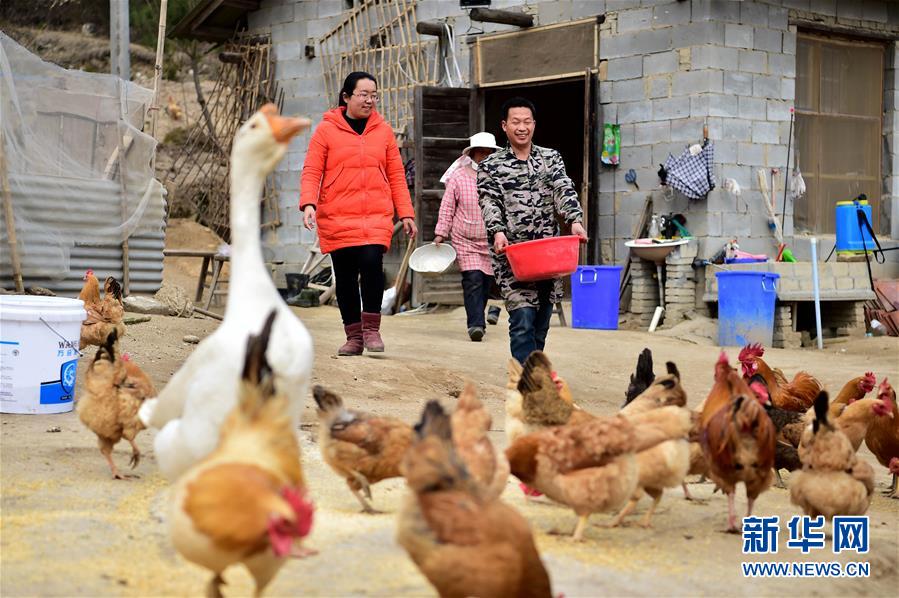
x=749, y=503
x=780, y=481
x=106, y=451
x=624, y=512
x=214, y=588
x=135, y=453
x=732, y=513
x=656, y=495
x=365, y=488
x=578, y=535
x=892, y=490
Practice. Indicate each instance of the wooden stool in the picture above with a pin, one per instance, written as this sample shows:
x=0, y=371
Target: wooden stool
x=557, y=309
x=206, y=254
x=218, y=263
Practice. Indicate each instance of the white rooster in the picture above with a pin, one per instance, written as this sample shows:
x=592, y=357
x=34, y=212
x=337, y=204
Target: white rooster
x=193, y=405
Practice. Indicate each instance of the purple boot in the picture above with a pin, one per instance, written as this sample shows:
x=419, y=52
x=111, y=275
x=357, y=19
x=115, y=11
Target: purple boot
x=371, y=324
x=353, y=344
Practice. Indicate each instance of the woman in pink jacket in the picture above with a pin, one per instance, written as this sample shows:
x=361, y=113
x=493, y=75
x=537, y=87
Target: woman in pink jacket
x=353, y=182
x=460, y=219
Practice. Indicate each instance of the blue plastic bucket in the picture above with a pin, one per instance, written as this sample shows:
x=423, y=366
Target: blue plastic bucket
x=594, y=297
x=746, y=308
x=849, y=237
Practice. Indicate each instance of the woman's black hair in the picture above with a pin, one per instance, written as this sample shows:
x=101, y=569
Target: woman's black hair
x=349, y=84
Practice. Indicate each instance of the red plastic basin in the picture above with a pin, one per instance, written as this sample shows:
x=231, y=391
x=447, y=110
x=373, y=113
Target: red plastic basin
x=544, y=258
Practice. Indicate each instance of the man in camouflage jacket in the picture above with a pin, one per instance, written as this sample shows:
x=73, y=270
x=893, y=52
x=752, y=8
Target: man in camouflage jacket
x=521, y=189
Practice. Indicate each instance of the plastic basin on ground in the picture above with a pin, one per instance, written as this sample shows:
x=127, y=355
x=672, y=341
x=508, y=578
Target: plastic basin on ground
x=544, y=258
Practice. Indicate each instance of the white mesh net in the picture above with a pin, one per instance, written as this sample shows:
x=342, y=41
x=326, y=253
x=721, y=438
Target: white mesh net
x=79, y=168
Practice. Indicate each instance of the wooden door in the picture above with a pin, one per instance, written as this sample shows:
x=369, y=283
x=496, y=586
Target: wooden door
x=442, y=128
x=839, y=108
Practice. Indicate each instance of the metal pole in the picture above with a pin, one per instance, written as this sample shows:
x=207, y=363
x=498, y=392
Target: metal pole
x=817, y=292
x=119, y=39
x=114, y=39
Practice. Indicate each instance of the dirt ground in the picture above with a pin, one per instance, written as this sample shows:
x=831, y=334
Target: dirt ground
x=68, y=529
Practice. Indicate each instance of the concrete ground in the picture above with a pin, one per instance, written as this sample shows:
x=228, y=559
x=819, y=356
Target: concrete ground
x=70, y=530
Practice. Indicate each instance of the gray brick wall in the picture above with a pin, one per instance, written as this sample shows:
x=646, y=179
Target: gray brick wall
x=736, y=62
x=673, y=66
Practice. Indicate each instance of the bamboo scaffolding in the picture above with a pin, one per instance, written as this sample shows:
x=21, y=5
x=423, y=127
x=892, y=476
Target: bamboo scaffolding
x=200, y=170
x=379, y=36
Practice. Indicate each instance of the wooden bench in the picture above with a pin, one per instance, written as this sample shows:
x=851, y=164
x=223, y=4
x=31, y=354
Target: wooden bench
x=206, y=254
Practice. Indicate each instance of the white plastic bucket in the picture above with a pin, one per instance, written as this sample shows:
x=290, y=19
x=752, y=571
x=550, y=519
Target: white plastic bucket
x=38, y=365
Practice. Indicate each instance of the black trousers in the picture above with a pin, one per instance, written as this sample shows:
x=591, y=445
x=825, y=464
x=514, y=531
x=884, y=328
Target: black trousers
x=476, y=290
x=354, y=268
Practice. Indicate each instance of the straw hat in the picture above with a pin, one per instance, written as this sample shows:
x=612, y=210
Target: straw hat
x=482, y=139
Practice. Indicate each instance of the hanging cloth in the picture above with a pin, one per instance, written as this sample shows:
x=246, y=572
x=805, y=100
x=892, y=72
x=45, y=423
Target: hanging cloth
x=460, y=162
x=690, y=173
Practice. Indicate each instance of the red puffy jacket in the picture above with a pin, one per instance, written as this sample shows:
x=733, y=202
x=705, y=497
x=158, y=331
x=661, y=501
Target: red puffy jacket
x=356, y=182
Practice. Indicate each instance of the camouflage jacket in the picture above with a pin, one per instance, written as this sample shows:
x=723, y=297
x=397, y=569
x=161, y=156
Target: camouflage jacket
x=521, y=198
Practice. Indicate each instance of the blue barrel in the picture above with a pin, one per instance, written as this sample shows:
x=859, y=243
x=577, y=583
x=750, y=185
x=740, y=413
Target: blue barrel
x=746, y=308
x=849, y=237
x=594, y=297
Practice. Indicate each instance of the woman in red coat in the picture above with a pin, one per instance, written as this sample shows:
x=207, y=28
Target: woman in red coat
x=353, y=182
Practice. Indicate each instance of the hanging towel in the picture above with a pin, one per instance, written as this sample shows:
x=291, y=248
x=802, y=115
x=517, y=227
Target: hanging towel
x=692, y=174
x=460, y=162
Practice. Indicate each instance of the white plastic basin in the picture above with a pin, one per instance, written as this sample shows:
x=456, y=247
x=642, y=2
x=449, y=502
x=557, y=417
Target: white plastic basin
x=432, y=258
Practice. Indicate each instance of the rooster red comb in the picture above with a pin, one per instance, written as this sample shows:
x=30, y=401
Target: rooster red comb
x=868, y=382
x=722, y=360
x=751, y=352
x=722, y=366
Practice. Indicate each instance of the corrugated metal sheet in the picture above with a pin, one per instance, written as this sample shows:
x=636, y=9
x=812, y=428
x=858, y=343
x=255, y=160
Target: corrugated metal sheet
x=77, y=211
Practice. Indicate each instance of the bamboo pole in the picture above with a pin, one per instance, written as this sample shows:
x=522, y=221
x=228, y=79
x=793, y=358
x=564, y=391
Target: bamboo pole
x=157, y=76
x=10, y=220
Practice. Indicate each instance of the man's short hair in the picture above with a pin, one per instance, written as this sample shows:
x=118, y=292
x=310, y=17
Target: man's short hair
x=518, y=102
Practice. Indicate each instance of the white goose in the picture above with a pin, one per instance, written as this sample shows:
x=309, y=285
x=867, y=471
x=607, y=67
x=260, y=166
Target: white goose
x=193, y=405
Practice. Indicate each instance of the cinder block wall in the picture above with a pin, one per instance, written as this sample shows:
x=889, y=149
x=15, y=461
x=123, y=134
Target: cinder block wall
x=294, y=23
x=671, y=66
x=674, y=66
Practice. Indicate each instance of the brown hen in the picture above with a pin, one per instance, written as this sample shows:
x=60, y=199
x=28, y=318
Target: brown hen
x=114, y=389
x=464, y=543
x=361, y=448
x=737, y=438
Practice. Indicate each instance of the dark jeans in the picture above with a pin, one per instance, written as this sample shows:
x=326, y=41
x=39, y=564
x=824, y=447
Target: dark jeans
x=528, y=326
x=363, y=266
x=476, y=290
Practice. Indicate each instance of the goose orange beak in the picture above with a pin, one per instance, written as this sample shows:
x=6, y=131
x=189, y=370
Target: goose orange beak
x=283, y=127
